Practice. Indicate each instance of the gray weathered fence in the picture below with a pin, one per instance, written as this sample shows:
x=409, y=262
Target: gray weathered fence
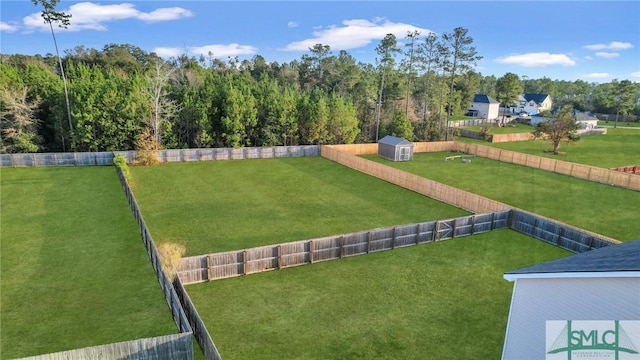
x=57, y=159
x=209, y=267
x=565, y=236
x=182, y=307
x=248, y=261
x=176, y=346
x=173, y=155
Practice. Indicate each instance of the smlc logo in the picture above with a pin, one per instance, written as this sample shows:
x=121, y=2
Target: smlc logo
x=597, y=339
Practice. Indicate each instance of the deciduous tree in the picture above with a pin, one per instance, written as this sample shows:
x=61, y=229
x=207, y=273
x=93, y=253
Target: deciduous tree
x=559, y=127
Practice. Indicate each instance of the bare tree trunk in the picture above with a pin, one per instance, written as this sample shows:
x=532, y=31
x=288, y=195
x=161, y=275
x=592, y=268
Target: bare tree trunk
x=64, y=79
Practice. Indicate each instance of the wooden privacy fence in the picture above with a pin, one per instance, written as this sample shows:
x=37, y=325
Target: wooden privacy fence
x=57, y=159
x=209, y=267
x=173, y=300
x=176, y=346
x=199, y=328
x=586, y=172
x=445, y=193
x=562, y=235
x=174, y=155
x=195, y=269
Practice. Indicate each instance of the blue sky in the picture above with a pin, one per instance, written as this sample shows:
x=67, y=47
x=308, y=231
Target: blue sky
x=595, y=41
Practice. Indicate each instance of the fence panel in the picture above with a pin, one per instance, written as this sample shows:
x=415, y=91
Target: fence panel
x=294, y=253
x=261, y=259
x=225, y=265
x=407, y=235
x=206, y=154
x=267, y=152
x=355, y=244
x=325, y=249
x=221, y=154
x=177, y=346
x=463, y=226
x=381, y=239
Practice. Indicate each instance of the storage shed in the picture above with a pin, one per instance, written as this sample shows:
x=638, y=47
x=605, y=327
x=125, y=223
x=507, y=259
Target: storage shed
x=582, y=306
x=395, y=148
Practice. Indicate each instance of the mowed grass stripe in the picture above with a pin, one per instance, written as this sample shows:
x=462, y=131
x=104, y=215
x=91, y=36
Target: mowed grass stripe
x=217, y=206
x=74, y=270
x=444, y=300
x=601, y=208
x=619, y=147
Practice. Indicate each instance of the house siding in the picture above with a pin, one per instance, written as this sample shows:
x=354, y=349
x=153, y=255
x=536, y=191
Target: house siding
x=535, y=301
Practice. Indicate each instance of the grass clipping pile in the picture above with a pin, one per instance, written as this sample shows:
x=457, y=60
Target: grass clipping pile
x=171, y=253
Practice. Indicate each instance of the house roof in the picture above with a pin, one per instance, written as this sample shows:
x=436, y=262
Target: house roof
x=538, y=98
x=582, y=116
x=485, y=99
x=392, y=140
x=623, y=257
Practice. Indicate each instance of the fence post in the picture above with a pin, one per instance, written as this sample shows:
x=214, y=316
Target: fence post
x=279, y=256
x=561, y=232
x=435, y=231
x=311, y=251
x=368, y=242
x=393, y=239
x=418, y=234
x=341, y=247
x=493, y=220
x=473, y=223
x=209, y=270
x=245, y=264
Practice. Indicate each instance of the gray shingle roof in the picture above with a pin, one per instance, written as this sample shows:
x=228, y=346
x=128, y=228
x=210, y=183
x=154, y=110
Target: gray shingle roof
x=622, y=257
x=485, y=99
x=392, y=140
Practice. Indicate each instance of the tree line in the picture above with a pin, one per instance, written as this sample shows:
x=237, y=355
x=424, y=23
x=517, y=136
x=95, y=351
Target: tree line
x=123, y=98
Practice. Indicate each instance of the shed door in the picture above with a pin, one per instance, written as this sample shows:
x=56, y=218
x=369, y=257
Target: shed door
x=405, y=153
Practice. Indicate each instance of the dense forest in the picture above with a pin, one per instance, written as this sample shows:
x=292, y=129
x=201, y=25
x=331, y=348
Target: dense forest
x=122, y=98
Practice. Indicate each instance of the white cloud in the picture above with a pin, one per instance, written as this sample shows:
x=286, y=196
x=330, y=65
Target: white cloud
x=536, y=59
x=292, y=24
x=595, y=76
x=588, y=57
x=635, y=74
x=219, y=51
x=90, y=16
x=614, y=45
x=355, y=33
x=607, y=55
x=5, y=27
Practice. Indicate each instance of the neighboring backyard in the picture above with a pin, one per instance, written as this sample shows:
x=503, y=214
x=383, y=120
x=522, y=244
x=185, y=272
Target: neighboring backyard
x=74, y=270
x=216, y=206
x=443, y=300
x=601, y=208
x=619, y=147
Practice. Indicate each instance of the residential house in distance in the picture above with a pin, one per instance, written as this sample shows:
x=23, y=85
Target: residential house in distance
x=532, y=104
x=485, y=107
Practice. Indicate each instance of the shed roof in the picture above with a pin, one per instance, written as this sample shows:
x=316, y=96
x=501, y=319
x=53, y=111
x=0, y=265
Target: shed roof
x=392, y=140
x=623, y=257
x=485, y=99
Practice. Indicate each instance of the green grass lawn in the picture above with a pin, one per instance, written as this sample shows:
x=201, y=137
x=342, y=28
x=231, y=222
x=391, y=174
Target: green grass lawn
x=620, y=123
x=216, y=206
x=619, y=147
x=444, y=300
x=74, y=270
x=597, y=207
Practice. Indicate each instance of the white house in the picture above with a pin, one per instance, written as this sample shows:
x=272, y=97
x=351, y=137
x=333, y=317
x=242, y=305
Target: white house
x=583, y=306
x=587, y=120
x=485, y=107
x=532, y=104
